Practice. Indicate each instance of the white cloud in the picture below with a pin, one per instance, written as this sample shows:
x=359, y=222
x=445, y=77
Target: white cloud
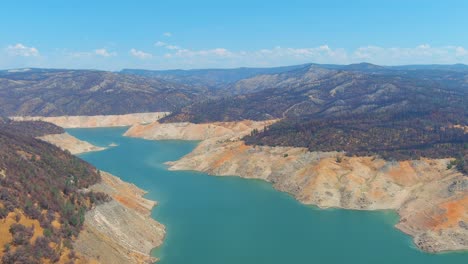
x=262, y=57
x=140, y=54
x=421, y=54
x=104, y=53
x=222, y=57
x=172, y=47
x=160, y=44
x=461, y=52
x=171, y=55
x=166, y=45
x=90, y=54
x=218, y=52
x=167, y=34
x=22, y=50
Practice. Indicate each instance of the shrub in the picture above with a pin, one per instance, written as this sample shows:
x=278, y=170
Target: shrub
x=21, y=234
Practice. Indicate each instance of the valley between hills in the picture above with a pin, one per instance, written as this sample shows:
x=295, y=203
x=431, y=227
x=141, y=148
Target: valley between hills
x=359, y=137
x=430, y=199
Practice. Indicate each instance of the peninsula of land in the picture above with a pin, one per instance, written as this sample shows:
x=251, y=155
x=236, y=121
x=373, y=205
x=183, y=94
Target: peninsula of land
x=432, y=201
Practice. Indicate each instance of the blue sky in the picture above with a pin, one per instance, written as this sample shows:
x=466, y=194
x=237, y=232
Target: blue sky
x=222, y=34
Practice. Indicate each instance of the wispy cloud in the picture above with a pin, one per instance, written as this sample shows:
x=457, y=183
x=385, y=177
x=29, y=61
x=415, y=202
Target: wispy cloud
x=166, y=45
x=22, y=50
x=217, y=52
x=182, y=52
x=461, y=52
x=104, y=53
x=140, y=54
x=167, y=34
x=170, y=55
x=90, y=54
x=421, y=54
x=172, y=47
x=160, y=44
x=263, y=57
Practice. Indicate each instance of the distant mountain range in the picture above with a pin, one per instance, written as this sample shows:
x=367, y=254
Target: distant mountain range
x=398, y=112
x=88, y=92
x=395, y=112
x=217, y=78
x=54, y=92
x=210, y=78
x=318, y=92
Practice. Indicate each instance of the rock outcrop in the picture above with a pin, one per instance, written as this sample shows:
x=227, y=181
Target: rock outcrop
x=431, y=200
x=96, y=121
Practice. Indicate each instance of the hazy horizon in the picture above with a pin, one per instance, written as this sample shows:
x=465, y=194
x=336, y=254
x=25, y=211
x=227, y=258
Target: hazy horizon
x=232, y=68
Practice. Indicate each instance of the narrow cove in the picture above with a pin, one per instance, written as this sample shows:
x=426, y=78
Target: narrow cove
x=232, y=220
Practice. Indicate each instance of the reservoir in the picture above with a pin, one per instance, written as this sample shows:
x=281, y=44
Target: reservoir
x=227, y=220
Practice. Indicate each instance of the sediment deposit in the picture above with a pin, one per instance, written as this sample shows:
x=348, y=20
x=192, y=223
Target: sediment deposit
x=68, y=142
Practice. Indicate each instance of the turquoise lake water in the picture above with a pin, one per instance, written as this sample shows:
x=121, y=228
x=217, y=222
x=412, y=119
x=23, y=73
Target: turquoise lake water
x=227, y=220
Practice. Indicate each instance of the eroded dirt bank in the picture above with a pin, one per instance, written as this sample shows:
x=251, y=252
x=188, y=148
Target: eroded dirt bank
x=96, y=121
x=122, y=230
x=190, y=131
x=68, y=142
x=432, y=201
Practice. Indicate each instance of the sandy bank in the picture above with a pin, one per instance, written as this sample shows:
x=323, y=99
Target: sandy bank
x=68, y=142
x=96, y=121
x=431, y=200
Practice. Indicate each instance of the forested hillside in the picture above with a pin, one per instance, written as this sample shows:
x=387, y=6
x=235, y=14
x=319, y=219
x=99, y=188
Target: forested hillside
x=42, y=206
x=390, y=137
x=362, y=109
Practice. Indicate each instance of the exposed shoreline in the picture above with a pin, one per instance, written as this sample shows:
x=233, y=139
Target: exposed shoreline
x=68, y=142
x=432, y=202
x=96, y=121
x=107, y=235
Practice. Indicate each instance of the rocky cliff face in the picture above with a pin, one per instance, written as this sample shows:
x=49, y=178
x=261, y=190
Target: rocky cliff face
x=96, y=121
x=122, y=230
x=431, y=200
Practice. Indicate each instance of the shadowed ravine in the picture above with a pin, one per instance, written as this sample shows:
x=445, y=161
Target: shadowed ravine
x=232, y=220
